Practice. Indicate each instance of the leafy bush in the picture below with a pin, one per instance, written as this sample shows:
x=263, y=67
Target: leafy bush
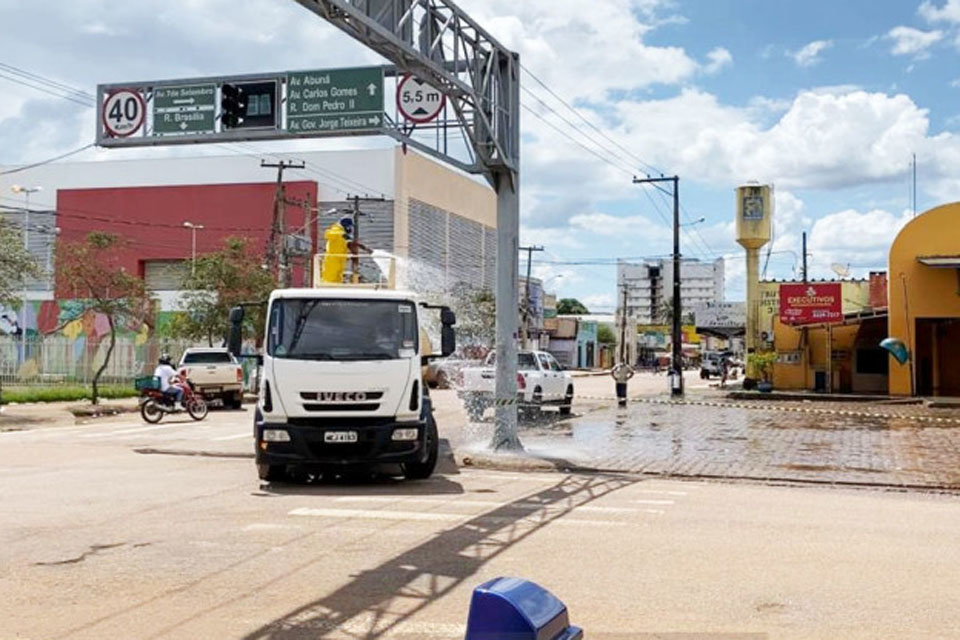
x=763, y=364
x=67, y=393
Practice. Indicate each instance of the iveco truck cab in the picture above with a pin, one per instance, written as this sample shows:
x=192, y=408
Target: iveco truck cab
x=341, y=383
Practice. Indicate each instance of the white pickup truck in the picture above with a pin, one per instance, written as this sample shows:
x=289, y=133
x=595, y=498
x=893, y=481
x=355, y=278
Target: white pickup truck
x=541, y=381
x=215, y=374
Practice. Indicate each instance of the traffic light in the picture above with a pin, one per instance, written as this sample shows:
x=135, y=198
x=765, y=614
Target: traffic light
x=233, y=106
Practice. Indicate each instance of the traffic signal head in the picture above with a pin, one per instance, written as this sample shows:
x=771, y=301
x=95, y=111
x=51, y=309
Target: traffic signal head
x=233, y=106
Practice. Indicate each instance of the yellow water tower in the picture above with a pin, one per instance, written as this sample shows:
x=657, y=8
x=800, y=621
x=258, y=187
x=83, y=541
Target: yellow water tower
x=754, y=219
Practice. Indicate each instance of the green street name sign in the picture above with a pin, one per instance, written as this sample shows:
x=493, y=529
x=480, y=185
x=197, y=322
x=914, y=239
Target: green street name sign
x=335, y=100
x=185, y=110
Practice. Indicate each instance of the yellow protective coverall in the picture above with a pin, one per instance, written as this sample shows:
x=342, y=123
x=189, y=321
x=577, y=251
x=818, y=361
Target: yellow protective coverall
x=335, y=254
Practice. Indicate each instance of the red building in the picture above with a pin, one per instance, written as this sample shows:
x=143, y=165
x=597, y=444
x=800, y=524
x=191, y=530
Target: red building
x=151, y=221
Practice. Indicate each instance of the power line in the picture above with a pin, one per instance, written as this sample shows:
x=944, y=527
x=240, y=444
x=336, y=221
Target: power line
x=47, y=161
x=54, y=84
x=38, y=87
x=588, y=122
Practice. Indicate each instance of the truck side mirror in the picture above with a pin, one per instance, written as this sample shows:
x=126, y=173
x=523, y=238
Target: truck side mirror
x=235, y=339
x=447, y=317
x=448, y=340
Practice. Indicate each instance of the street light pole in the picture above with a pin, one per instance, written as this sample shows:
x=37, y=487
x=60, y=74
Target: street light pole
x=193, y=245
x=676, y=386
x=26, y=191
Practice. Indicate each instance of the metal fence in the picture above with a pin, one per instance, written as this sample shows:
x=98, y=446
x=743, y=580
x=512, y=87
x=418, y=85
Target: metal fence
x=58, y=360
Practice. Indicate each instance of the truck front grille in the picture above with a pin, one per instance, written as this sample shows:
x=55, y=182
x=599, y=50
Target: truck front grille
x=341, y=406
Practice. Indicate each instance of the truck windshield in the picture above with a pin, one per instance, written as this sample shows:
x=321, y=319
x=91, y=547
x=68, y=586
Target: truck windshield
x=329, y=329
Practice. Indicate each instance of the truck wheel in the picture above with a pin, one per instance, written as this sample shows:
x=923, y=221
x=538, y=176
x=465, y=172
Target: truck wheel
x=151, y=412
x=423, y=470
x=272, y=472
x=567, y=405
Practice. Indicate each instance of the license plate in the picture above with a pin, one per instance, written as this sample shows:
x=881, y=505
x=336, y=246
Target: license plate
x=340, y=436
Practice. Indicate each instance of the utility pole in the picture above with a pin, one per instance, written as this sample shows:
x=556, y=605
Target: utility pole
x=355, y=245
x=277, y=245
x=624, y=350
x=914, y=185
x=805, y=274
x=676, y=385
x=526, y=295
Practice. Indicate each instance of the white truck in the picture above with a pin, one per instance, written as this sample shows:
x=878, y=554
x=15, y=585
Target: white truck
x=541, y=381
x=341, y=384
x=215, y=373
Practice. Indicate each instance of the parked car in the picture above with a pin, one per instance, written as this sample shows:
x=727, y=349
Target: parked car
x=541, y=382
x=214, y=373
x=711, y=364
x=446, y=373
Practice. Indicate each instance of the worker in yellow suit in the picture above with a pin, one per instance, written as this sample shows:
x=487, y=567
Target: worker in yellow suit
x=335, y=254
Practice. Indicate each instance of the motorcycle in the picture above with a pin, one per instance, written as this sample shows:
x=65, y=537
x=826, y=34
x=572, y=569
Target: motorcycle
x=154, y=403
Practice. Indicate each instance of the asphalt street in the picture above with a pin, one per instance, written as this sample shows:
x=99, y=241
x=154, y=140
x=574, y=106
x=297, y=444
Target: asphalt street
x=119, y=529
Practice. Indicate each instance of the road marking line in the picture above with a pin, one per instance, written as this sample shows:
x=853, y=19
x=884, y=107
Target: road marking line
x=135, y=430
x=484, y=503
x=662, y=492
x=378, y=514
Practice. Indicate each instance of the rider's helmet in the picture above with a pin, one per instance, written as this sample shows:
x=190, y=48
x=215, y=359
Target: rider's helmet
x=166, y=359
x=347, y=224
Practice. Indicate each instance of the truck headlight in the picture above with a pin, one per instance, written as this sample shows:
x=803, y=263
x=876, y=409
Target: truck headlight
x=405, y=435
x=275, y=435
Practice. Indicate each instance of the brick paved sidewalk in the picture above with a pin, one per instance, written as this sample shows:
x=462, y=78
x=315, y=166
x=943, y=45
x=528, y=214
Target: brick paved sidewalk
x=712, y=438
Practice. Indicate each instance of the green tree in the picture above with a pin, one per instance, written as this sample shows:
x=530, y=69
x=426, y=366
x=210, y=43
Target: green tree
x=219, y=281
x=665, y=314
x=605, y=335
x=16, y=263
x=571, y=306
x=91, y=270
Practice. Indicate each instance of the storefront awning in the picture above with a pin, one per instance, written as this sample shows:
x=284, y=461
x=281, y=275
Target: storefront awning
x=940, y=262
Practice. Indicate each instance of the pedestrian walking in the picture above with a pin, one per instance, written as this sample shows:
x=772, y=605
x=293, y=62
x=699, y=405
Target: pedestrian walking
x=724, y=370
x=621, y=373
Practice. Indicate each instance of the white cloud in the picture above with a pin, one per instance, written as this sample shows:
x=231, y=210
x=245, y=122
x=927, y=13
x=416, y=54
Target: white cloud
x=809, y=54
x=823, y=140
x=850, y=237
x=955, y=84
x=949, y=12
x=910, y=41
x=604, y=224
x=595, y=45
x=599, y=302
x=718, y=59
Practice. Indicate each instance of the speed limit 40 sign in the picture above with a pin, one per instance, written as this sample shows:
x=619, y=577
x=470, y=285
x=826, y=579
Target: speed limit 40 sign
x=123, y=113
x=417, y=101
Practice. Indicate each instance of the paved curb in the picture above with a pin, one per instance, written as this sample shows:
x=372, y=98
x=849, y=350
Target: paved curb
x=506, y=462
x=521, y=462
x=934, y=420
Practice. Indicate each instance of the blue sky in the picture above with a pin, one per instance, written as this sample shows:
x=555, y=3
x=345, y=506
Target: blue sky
x=827, y=100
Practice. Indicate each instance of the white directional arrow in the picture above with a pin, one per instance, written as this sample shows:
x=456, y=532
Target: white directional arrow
x=374, y=120
x=372, y=88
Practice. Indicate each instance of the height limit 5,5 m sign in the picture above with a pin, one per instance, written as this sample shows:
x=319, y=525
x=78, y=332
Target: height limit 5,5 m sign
x=417, y=101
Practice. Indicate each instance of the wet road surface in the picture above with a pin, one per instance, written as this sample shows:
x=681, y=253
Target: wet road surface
x=755, y=443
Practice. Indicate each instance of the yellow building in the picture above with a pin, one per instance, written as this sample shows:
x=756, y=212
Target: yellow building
x=924, y=298
x=840, y=358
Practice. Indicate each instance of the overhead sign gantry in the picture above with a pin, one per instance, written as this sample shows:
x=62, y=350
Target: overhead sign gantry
x=469, y=98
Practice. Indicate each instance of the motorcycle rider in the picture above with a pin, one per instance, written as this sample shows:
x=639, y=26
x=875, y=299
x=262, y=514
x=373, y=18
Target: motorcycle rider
x=168, y=375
